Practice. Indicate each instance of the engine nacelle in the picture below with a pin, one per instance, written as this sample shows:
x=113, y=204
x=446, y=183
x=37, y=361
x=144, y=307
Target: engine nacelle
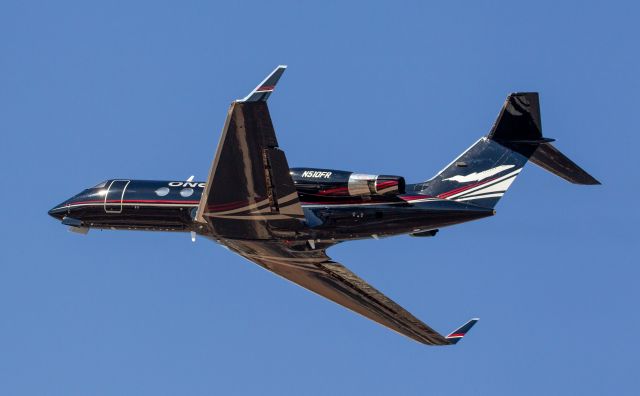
x=330, y=182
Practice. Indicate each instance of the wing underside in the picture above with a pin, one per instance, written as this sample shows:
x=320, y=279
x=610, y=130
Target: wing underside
x=315, y=271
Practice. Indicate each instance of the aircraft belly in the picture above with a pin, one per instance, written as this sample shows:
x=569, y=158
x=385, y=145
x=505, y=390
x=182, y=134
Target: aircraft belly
x=355, y=222
x=137, y=217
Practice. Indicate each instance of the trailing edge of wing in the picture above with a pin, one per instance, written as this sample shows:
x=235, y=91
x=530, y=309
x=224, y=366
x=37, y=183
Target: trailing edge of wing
x=262, y=92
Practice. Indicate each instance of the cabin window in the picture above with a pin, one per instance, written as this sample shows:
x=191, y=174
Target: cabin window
x=186, y=192
x=101, y=185
x=162, y=191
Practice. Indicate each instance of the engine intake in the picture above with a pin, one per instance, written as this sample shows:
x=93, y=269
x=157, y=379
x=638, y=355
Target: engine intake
x=330, y=182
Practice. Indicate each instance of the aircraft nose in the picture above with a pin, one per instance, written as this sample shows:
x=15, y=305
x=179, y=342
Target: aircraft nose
x=65, y=208
x=57, y=212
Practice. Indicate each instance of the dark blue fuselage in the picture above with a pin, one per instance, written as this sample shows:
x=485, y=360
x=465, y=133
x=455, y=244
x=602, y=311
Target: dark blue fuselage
x=172, y=206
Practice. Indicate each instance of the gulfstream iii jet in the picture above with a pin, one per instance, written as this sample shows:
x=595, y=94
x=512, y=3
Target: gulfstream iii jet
x=284, y=219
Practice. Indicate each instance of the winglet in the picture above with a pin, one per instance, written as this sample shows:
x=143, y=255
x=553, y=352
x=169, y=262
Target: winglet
x=461, y=331
x=263, y=90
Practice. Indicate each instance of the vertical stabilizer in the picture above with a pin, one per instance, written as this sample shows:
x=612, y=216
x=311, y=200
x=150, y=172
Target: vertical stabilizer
x=482, y=174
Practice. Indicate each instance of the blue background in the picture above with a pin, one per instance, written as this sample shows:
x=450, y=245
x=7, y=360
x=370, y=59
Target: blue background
x=90, y=91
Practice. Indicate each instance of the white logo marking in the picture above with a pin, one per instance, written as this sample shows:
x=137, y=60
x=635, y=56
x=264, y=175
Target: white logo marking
x=477, y=176
x=317, y=174
x=187, y=184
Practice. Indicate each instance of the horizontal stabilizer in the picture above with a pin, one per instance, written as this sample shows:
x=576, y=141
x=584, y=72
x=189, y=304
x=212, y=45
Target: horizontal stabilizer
x=262, y=92
x=549, y=158
x=460, y=332
x=519, y=128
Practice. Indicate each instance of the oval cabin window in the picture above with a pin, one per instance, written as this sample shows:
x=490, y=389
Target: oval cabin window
x=162, y=191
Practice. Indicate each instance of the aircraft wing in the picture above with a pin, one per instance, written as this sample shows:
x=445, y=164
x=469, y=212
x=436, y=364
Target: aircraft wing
x=314, y=270
x=249, y=192
x=252, y=207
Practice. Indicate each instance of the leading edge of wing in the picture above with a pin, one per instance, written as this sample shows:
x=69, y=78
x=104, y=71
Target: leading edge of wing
x=315, y=271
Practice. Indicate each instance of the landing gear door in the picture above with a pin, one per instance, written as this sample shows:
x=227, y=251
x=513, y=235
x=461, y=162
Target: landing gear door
x=115, y=195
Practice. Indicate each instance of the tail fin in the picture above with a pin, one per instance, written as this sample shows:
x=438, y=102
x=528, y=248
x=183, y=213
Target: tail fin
x=483, y=173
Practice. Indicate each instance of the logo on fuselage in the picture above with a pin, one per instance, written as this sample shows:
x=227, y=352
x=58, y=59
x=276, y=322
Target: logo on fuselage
x=186, y=184
x=478, y=176
x=317, y=174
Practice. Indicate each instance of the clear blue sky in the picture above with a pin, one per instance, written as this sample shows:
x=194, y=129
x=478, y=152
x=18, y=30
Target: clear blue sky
x=90, y=91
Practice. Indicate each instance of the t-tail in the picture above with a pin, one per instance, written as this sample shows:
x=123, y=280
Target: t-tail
x=483, y=173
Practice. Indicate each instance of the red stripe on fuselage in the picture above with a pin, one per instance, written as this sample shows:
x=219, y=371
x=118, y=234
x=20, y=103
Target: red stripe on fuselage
x=231, y=205
x=461, y=189
x=166, y=201
x=414, y=197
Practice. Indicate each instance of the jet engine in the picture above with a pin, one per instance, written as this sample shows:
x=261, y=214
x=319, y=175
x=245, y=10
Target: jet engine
x=330, y=182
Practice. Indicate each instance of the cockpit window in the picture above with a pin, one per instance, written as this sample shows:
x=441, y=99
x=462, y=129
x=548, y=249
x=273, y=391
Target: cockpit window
x=101, y=185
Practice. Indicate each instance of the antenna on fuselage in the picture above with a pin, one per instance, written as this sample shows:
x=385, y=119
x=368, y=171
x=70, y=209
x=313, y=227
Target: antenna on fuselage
x=193, y=233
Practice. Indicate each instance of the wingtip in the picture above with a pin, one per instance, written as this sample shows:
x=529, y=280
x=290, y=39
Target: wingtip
x=262, y=92
x=593, y=181
x=455, y=336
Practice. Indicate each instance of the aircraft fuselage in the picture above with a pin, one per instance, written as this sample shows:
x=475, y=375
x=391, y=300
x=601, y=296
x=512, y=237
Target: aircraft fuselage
x=122, y=204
